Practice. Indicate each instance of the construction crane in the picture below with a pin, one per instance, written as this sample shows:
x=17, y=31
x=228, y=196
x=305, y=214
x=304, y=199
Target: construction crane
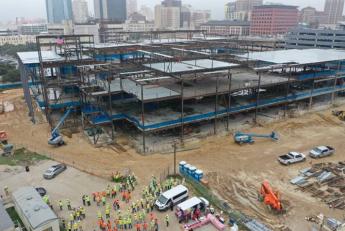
x=269, y=197
x=56, y=139
x=248, y=138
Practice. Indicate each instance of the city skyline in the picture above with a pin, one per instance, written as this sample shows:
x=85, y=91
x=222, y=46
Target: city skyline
x=217, y=10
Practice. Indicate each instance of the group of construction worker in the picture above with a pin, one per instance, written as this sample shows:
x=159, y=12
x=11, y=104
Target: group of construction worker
x=138, y=215
x=139, y=211
x=76, y=214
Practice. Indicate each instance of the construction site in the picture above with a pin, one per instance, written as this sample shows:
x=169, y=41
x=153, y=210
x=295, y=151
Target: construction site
x=154, y=101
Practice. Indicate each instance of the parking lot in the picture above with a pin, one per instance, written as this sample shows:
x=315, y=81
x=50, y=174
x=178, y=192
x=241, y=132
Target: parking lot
x=72, y=184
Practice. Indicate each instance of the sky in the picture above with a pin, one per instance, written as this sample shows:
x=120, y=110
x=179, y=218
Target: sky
x=10, y=9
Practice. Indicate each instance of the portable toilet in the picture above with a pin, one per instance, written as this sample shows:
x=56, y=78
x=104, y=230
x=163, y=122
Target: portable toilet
x=192, y=170
x=198, y=175
x=182, y=165
x=186, y=169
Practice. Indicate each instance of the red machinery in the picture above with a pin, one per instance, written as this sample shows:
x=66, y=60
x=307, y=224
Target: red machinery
x=269, y=197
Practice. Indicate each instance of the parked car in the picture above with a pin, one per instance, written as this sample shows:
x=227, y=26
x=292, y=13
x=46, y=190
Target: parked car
x=321, y=151
x=53, y=171
x=41, y=191
x=291, y=158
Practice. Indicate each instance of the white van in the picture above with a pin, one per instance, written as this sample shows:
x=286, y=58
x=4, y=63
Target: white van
x=172, y=197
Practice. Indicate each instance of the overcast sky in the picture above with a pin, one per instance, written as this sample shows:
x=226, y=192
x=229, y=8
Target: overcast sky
x=10, y=9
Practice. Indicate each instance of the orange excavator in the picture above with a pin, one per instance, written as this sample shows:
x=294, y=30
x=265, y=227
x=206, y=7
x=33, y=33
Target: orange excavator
x=269, y=197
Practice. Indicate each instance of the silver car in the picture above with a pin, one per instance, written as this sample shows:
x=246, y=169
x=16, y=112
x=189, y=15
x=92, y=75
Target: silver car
x=53, y=171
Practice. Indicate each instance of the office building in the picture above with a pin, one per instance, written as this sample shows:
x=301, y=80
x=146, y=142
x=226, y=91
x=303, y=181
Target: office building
x=272, y=20
x=111, y=10
x=241, y=9
x=226, y=28
x=200, y=17
x=132, y=7
x=167, y=17
x=80, y=11
x=312, y=17
x=334, y=11
x=172, y=3
x=32, y=29
x=88, y=29
x=138, y=22
x=306, y=38
x=147, y=12
x=59, y=10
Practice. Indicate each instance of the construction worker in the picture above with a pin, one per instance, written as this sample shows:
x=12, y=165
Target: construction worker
x=60, y=204
x=82, y=212
x=107, y=213
x=71, y=217
x=75, y=226
x=167, y=220
x=145, y=226
x=68, y=203
x=129, y=221
x=98, y=199
x=152, y=224
x=99, y=215
x=88, y=200
x=69, y=226
x=7, y=193
x=63, y=223
x=138, y=227
x=109, y=225
x=103, y=200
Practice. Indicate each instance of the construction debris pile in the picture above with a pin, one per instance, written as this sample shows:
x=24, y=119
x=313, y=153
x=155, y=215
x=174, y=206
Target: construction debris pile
x=325, y=181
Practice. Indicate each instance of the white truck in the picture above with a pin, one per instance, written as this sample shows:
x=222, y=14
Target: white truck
x=191, y=207
x=291, y=158
x=321, y=151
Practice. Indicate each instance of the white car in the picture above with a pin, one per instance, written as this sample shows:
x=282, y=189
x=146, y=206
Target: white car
x=291, y=158
x=321, y=151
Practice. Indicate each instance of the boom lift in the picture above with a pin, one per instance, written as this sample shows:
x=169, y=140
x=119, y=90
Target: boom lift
x=269, y=197
x=247, y=138
x=56, y=139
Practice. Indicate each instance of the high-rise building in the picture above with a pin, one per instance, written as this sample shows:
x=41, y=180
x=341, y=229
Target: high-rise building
x=186, y=16
x=59, y=10
x=167, y=17
x=111, y=10
x=334, y=11
x=80, y=11
x=172, y=3
x=132, y=7
x=241, y=9
x=268, y=20
x=308, y=15
x=199, y=17
x=147, y=12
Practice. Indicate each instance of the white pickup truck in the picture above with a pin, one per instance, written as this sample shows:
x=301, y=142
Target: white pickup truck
x=291, y=158
x=321, y=151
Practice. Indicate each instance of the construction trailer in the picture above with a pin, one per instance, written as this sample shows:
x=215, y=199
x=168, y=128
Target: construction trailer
x=35, y=214
x=156, y=86
x=6, y=223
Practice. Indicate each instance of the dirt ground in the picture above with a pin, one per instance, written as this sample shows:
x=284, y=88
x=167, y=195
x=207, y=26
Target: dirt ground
x=234, y=172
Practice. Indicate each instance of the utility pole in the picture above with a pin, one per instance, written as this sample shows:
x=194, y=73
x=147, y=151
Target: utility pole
x=174, y=157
